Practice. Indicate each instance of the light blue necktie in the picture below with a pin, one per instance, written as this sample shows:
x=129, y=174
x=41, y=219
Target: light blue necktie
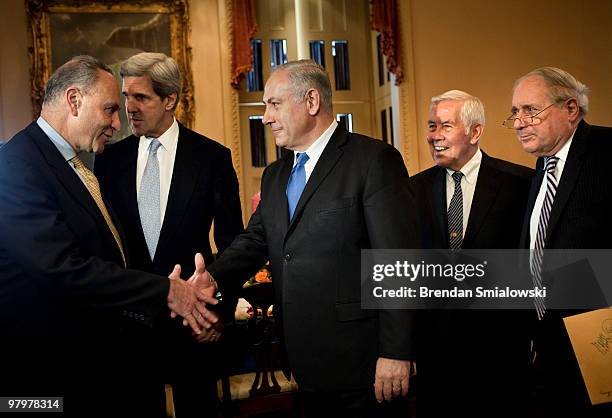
x=297, y=181
x=149, y=200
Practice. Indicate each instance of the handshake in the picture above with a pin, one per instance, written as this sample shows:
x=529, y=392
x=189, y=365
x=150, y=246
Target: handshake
x=188, y=299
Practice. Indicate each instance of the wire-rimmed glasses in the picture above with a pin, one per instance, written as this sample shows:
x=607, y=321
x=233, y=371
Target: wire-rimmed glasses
x=526, y=120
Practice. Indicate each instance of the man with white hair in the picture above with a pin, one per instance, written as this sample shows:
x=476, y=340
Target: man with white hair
x=568, y=208
x=473, y=201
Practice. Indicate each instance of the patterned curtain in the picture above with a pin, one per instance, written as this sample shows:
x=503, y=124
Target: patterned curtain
x=384, y=19
x=244, y=28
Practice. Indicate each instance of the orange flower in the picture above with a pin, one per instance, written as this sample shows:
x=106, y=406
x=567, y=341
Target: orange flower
x=263, y=276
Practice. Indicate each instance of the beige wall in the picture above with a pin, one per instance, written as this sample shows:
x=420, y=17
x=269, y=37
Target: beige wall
x=482, y=46
x=207, y=69
x=15, y=107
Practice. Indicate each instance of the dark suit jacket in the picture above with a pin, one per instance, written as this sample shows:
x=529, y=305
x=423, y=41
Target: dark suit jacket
x=472, y=357
x=64, y=293
x=497, y=211
x=203, y=188
x=57, y=255
x=579, y=219
x=355, y=199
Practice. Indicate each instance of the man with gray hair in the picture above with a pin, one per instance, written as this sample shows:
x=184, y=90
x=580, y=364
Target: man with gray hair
x=468, y=200
x=66, y=293
x=167, y=184
x=335, y=194
x=568, y=208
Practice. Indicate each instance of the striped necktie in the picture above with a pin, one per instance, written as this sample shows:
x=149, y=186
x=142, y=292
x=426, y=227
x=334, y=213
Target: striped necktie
x=540, y=241
x=455, y=214
x=94, y=189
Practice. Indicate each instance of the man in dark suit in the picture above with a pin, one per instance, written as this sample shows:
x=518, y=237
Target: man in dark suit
x=66, y=294
x=196, y=184
x=336, y=194
x=568, y=208
x=469, y=200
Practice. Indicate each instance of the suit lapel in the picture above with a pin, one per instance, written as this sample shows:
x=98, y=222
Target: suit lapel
x=569, y=176
x=536, y=182
x=182, y=186
x=283, y=179
x=484, y=196
x=439, y=208
x=327, y=161
x=126, y=168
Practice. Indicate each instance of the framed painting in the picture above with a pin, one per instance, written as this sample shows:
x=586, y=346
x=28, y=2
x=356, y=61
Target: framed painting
x=111, y=31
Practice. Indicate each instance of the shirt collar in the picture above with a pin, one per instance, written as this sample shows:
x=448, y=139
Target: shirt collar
x=470, y=169
x=562, y=153
x=168, y=139
x=315, y=150
x=60, y=143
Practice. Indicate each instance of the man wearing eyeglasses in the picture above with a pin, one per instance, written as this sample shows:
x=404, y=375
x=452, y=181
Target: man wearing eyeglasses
x=568, y=208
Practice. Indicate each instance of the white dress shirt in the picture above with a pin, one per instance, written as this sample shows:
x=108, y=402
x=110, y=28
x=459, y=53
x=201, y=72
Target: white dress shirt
x=315, y=150
x=165, y=155
x=537, y=207
x=468, y=185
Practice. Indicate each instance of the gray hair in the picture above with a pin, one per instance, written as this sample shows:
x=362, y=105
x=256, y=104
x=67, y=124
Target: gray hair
x=472, y=110
x=81, y=71
x=161, y=69
x=561, y=86
x=305, y=75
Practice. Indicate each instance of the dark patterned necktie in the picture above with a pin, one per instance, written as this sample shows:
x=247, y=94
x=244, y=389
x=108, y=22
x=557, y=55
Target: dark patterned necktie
x=538, y=248
x=455, y=214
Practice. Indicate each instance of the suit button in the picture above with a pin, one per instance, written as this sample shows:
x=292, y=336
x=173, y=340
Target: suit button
x=287, y=257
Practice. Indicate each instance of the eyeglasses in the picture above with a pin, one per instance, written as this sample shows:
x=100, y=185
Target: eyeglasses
x=527, y=119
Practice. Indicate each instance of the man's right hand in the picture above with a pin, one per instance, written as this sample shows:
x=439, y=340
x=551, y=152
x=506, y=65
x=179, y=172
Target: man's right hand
x=201, y=278
x=188, y=300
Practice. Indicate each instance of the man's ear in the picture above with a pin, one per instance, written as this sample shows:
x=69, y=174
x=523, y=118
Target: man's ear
x=313, y=102
x=73, y=99
x=171, y=101
x=476, y=133
x=573, y=110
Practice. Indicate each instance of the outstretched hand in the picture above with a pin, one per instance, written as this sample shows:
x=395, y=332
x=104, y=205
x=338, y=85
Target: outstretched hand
x=201, y=278
x=188, y=298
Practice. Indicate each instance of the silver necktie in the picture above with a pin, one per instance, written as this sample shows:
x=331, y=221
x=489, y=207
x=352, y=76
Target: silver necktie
x=149, y=200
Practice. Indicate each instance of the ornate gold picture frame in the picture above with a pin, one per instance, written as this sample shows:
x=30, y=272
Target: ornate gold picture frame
x=110, y=30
